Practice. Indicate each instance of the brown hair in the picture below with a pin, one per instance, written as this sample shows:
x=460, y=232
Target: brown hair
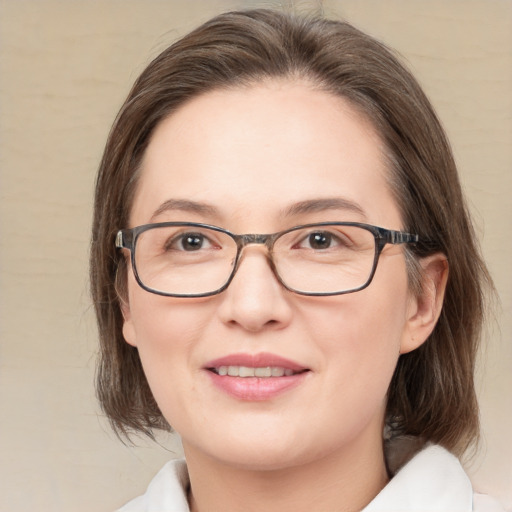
x=432, y=391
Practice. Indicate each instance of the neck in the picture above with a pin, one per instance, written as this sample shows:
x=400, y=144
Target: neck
x=343, y=481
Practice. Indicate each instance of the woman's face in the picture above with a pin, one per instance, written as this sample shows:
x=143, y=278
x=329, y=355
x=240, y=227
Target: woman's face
x=261, y=160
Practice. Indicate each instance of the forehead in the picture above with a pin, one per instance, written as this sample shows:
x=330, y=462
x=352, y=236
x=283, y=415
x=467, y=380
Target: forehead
x=258, y=150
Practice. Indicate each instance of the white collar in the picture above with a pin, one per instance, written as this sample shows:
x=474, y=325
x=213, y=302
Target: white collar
x=432, y=481
x=167, y=492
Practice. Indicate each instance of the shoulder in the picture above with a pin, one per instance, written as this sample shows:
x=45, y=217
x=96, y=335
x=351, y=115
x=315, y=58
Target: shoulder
x=432, y=480
x=167, y=492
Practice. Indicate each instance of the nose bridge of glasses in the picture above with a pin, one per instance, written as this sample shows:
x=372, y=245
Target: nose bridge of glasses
x=257, y=239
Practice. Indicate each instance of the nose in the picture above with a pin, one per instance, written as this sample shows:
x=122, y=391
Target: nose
x=255, y=300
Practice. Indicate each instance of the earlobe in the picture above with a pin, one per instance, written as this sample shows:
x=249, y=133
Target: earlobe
x=121, y=285
x=128, y=327
x=426, y=307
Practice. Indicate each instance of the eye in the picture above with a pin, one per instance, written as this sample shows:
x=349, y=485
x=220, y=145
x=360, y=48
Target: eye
x=321, y=240
x=189, y=242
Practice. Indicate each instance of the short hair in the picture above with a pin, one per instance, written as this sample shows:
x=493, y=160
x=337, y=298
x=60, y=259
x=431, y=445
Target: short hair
x=432, y=393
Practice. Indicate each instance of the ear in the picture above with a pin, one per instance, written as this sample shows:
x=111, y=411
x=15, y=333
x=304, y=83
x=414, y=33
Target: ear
x=128, y=327
x=123, y=295
x=425, y=308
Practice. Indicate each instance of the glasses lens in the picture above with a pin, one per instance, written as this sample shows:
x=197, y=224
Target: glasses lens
x=325, y=259
x=184, y=259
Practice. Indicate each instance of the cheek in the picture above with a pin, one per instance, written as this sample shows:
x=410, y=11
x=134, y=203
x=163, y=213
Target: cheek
x=165, y=331
x=162, y=324
x=360, y=334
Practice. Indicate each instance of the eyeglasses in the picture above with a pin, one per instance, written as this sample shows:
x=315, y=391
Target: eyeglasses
x=185, y=259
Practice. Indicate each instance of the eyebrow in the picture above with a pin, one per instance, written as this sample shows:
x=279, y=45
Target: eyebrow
x=323, y=204
x=300, y=208
x=185, y=205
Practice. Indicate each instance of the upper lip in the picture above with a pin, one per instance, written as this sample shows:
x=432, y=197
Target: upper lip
x=260, y=360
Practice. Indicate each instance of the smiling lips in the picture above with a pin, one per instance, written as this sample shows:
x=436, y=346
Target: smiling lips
x=255, y=377
x=247, y=371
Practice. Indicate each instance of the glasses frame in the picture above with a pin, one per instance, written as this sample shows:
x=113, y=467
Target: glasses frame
x=127, y=239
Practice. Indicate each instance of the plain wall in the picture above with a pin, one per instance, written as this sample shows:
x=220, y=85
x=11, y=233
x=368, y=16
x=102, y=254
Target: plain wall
x=65, y=68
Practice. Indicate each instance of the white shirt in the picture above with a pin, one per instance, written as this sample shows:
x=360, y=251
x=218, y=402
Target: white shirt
x=432, y=481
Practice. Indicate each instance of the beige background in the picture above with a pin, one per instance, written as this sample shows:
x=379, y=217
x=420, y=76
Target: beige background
x=65, y=67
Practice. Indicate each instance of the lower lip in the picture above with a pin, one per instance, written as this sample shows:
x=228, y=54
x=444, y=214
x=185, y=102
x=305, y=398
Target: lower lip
x=254, y=388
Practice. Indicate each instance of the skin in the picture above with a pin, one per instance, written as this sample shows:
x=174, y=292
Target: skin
x=252, y=154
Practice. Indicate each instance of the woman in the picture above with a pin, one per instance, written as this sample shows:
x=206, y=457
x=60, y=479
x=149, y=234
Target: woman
x=284, y=272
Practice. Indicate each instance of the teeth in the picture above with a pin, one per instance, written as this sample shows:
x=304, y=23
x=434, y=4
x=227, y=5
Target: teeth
x=263, y=372
x=246, y=371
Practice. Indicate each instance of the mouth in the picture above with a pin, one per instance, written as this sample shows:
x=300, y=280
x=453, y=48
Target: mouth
x=264, y=372
x=256, y=377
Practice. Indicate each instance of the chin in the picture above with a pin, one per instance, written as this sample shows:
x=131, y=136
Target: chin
x=269, y=460
x=259, y=452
